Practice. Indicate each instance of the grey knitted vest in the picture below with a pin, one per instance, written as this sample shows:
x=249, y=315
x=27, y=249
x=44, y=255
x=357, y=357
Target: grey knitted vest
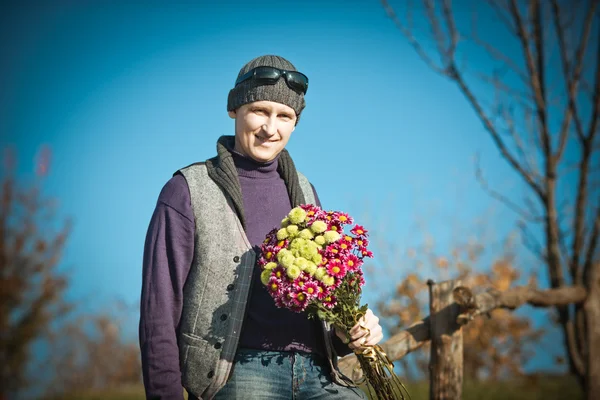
x=217, y=287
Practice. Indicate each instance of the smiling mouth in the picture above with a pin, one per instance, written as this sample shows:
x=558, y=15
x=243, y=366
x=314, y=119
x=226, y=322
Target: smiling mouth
x=263, y=140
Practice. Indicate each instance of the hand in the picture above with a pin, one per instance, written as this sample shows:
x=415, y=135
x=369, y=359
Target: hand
x=366, y=333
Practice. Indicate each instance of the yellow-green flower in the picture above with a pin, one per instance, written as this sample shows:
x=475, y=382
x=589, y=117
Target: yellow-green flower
x=314, y=246
x=320, y=273
x=293, y=271
x=296, y=243
x=285, y=222
x=292, y=230
x=297, y=215
x=331, y=236
x=288, y=260
x=306, y=234
x=311, y=268
x=301, y=263
x=320, y=240
x=282, y=234
x=270, y=265
x=282, y=253
x=264, y=277
x=328, y=280
x=317, y=259
x=318, y=227
x=307, y=251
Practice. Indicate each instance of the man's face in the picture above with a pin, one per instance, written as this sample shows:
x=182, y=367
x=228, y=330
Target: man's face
x=262, y=129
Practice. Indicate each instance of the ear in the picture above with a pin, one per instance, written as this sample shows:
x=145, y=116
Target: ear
x=232, y=114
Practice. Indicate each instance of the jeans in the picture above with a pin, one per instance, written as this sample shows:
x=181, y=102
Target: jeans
x=259, y=374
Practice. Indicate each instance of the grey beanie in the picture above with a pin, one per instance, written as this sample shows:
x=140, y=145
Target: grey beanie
x=249, y=91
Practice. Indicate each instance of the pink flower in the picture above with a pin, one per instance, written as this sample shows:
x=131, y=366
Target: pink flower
x=332, y=251
x=352, y=262
x=361, y=280
x=301, y=300
x=279, y=272
x=275, y=286
x=358, y=230
x=299, y=282
x=330, y=301
x=361, y=242
x=311, y=289
x=322, y=291
x=336, y=269
x=279, y=303
x=344, y=218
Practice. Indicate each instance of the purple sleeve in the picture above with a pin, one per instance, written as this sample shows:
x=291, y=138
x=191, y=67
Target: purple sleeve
x=168, y=253
x=340, y=348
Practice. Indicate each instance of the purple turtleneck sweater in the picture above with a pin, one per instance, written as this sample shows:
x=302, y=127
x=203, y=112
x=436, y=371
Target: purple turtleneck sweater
x=168, y=254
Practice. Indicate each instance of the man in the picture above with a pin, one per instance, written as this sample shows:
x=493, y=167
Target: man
x=206, y=322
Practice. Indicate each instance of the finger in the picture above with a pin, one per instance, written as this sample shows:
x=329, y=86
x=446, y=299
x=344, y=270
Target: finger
x=371, y=337
x=358, y=344
x=365, y=342
x=366, y=323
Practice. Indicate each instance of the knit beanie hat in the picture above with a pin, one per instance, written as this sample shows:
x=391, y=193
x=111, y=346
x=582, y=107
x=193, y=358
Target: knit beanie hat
x=250, y=90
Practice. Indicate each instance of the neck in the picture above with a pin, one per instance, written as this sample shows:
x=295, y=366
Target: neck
x=250, y=168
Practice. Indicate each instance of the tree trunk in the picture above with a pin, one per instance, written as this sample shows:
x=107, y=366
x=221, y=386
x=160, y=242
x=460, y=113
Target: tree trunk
x=592, y=310
x=446, y=362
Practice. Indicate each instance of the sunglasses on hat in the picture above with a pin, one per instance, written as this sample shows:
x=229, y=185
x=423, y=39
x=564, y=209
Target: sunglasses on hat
x=295, y=80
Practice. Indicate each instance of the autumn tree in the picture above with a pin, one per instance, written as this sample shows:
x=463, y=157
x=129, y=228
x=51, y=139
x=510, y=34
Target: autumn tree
x=532, y=77
x=494, y=348
x=31, y=286
x=93, y=353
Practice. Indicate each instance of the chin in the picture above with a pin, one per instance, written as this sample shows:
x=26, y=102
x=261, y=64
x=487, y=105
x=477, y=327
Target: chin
x=264, y=156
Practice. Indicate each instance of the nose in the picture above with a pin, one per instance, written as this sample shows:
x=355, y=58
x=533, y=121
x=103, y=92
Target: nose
x=270, y=127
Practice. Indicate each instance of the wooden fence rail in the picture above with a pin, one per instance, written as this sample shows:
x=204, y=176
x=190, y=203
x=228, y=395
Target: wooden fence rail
x=452, y=306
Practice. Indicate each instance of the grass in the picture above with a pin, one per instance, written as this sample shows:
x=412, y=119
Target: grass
x=545, y=387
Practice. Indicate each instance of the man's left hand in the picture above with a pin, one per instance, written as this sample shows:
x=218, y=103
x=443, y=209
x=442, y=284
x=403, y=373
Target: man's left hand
x=367, y=332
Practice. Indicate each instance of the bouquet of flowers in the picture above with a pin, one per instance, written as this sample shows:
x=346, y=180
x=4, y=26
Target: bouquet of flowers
x=310, y=264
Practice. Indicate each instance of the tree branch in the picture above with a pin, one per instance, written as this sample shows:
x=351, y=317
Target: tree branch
x=456, y=76
x=447, y=12
x=502, y=87
x=572, y=82
x=503, y=199
x=591, y=250
x=580, y=208
x=452, y=72
x=593, y=127
x=499, y=56
x=531, y=243
x=436, y=29
x=501, y=16
x=411, y=39
x=535, y=75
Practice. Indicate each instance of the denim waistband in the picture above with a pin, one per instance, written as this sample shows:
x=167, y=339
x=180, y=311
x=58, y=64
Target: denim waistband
x=247, y=353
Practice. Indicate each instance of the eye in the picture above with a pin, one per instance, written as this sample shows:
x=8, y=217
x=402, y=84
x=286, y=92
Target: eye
x=259, y=111
x=285, y=116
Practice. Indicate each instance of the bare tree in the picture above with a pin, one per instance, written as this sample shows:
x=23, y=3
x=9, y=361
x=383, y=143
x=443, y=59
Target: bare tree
x=92, y=354
x=542, y=115
x=31, y=288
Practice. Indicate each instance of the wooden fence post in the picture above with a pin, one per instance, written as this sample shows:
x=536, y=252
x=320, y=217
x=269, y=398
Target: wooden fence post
x=446, y=362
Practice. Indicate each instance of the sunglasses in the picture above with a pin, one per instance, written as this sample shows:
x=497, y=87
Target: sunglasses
x=296, y=81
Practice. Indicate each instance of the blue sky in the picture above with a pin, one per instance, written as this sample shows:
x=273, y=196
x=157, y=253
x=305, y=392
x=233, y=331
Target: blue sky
x=124, y=94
